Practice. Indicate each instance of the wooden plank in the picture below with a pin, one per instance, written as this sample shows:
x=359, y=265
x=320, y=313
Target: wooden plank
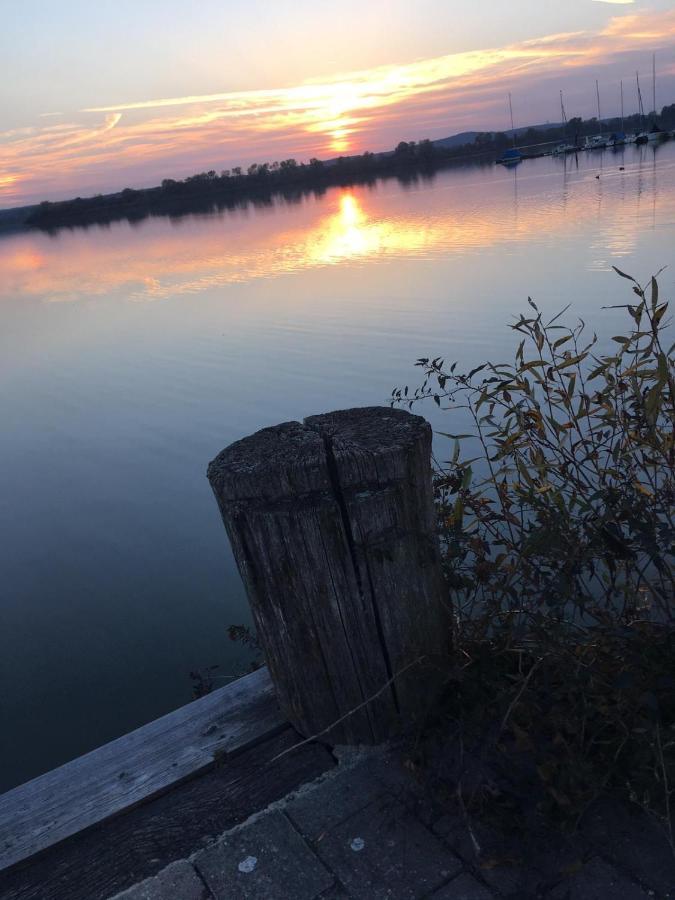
x=137, y=766
x=108, y=858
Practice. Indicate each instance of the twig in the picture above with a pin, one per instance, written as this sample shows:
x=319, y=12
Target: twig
x=477, y=849
x=666, y=788
x=515, y=700
x=350, y=712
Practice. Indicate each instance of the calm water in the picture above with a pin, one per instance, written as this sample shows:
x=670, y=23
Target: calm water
x=131, y=355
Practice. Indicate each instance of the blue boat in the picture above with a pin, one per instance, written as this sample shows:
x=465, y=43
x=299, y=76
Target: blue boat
x=510, y=157
x=513, y=155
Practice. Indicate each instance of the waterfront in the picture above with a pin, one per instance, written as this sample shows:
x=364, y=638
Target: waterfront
x=131, y=354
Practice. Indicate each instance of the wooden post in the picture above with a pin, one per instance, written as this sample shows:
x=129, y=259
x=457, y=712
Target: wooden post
x=332, y=524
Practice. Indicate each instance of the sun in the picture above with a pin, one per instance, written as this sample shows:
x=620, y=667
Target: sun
x=339, y=140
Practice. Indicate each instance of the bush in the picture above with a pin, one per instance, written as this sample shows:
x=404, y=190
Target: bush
x=558, y=544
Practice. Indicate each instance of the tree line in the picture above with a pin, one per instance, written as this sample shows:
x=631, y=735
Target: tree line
x=291, y=180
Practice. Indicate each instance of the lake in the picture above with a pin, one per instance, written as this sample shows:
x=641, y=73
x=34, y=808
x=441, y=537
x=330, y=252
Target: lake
x=131, y=354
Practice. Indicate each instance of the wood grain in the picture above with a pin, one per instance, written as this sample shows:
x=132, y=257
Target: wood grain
x=137, y=766
x=332, y=525
x=110, y=857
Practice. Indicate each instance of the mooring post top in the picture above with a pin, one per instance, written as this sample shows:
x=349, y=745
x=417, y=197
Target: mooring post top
x=374, y=444
x=291, y=459
x=370, y=428
x=283, y=461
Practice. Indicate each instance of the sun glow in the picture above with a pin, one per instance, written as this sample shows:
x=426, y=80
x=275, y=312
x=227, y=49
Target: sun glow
x=103, y=147
x=354, y=227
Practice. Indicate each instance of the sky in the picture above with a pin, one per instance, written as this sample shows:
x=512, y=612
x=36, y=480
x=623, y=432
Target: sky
x=100, y=96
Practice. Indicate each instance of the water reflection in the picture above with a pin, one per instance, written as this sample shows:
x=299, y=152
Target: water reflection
x=615, y=194
x=116, y=580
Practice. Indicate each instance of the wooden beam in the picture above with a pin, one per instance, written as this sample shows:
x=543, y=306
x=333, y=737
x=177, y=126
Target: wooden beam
x=109, y=858
x=136, y=767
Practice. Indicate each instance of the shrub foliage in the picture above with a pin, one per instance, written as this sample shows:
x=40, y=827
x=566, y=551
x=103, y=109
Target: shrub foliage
x=557, y=530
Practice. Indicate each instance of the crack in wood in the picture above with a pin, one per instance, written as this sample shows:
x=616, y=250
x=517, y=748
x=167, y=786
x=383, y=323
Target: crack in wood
x=332, y=524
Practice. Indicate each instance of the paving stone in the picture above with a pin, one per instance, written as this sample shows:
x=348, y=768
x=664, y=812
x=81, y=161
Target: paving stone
x=383, y=851
x=179, y=881
x=465, y=887
x=634, y=841
x=405, y=785
x=323, y=806
x=266, y=860
x=501, y=862
x=598, y=881
x=515, y=864
x=335, y=893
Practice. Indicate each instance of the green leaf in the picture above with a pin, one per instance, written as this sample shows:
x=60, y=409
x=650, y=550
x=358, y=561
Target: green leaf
x=655, y=292
x=623, y=275
x=455, y=437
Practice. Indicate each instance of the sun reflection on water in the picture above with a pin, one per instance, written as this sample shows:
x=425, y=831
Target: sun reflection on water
x=461, y=214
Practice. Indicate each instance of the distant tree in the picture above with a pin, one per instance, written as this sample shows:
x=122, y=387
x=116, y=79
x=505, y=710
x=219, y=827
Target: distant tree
x=426, y=150
x=484, y=139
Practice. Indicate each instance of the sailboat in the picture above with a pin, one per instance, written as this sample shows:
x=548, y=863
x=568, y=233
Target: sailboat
x=642, y=136
x=618, y=139
x=513, y=155
x=655, y=133
x=597, y=141
x=564, y=148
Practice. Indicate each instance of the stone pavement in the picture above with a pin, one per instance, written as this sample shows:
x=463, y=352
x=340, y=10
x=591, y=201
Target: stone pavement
x=366, y=831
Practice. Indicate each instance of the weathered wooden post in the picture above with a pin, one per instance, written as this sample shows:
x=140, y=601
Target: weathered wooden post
x=332, y=525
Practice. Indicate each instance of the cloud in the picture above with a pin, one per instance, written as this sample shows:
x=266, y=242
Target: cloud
x=112, y=120
x=616, y=2
x=104, y=147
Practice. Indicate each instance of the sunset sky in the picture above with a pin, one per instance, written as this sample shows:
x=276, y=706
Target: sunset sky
x=109, y=94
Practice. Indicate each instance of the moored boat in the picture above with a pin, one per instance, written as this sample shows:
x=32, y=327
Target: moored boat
x=595, y=142
x=657, y=134
x=513, y=155
x=510, y=157
x=564, y=148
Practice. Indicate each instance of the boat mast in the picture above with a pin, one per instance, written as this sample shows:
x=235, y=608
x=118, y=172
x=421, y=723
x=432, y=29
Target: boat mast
x=513, y=130
x=622, y=128
x=641, y=108
x=597, y=91
x=654, y=85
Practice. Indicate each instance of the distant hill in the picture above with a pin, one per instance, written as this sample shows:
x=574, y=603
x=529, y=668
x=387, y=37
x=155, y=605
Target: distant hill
x=456, y=140
x=15, y=217
x=460, y=139
x=468, y=137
